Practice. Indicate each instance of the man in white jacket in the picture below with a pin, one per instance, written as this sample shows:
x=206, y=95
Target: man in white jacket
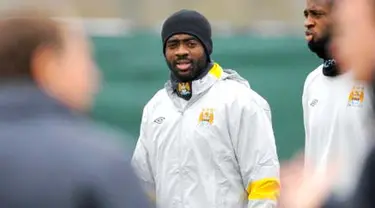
x=335, y=106
x=206, y=138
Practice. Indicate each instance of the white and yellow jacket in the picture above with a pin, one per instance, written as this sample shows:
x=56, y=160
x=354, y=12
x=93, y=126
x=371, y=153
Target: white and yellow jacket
x=215, y=150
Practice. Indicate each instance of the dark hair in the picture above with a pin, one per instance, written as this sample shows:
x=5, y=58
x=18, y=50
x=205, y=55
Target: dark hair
x=22, y=33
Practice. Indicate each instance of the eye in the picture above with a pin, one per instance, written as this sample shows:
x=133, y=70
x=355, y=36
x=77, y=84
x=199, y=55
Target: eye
x=317, y=14
x=305, y=14
x=314, y=14
x=192, y=44
x=172, y=45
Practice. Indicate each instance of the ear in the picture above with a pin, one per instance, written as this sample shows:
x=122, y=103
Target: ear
x=44, y=65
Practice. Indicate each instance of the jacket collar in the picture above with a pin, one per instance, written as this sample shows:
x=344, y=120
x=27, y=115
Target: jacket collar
x=199, y=86
x=20, y=100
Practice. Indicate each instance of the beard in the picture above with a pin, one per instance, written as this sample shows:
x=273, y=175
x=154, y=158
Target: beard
x=321, y=46
x=197, y=67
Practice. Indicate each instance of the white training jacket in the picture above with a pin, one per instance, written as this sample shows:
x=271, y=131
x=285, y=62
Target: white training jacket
x=215, y=150
x=336, y=117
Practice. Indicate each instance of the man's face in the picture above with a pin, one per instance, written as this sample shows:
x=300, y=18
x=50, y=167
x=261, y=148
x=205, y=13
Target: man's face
x=317, y=23
x=185, y=56
x=80, y=67
x=354, y=45
x=72, y=74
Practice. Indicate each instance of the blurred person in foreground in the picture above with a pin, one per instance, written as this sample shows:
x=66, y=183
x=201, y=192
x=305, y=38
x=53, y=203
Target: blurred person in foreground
x=50, y=155
x=206, y=139
x=335, y=106
x=354, y=45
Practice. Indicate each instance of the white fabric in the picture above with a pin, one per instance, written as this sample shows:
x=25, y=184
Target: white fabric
x=187, y=162
x=336, y=126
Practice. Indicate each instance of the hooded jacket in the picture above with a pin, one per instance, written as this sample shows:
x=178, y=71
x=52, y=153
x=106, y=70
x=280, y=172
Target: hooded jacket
x=215, y=150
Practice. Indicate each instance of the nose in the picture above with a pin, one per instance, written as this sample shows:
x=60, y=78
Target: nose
x=309, y=22
x=182, y=51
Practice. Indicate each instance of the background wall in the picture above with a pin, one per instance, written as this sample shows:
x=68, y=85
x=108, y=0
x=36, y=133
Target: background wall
x=134, y=69
x=261, y=39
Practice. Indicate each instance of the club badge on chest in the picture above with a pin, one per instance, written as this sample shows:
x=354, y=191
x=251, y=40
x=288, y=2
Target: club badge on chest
x=356, y=96
x=206, y=117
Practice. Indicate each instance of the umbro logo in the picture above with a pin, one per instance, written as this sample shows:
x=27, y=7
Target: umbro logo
x=159, y=120
x=314, y=102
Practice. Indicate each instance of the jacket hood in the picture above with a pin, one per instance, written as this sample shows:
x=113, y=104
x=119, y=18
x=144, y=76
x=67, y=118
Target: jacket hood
x=201, y=86
x=230, y=74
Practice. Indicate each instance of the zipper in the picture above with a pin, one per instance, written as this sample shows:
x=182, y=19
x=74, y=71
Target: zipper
x=182, y=145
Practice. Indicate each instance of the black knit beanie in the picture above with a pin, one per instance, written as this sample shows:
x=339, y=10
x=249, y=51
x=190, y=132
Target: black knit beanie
x=188, y=22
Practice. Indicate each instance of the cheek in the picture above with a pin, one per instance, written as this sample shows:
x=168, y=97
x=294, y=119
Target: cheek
x=169, y=54
x=320, y=28
x=199, y=55
x=82, y=72
x=169, y=58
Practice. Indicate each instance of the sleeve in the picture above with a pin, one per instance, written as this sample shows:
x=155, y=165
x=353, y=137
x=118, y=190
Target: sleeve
x=257, y=155
x=141, y=159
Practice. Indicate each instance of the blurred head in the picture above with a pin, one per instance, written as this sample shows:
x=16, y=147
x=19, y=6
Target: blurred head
x=353, y=41
x=52, y=54
x=187, y=44
x=318, y=25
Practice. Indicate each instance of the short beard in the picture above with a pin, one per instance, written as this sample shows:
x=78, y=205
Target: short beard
x=197, y=65
x=321, y=47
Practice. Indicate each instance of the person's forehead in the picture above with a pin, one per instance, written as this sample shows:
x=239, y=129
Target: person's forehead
x=318, y=4
x=182, y=36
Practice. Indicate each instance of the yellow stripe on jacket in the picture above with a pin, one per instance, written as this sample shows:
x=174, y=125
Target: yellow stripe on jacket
x=264, y=189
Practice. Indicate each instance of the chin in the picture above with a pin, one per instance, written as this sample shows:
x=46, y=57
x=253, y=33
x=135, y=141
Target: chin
x=185, y=78
x=311, y=43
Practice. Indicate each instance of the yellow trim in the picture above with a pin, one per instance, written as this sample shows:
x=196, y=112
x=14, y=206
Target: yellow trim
x=267, y=188
x=216, y=70
x=152, y=197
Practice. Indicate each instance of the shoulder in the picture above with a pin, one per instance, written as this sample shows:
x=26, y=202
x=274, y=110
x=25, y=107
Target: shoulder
x=242, y=96
x=81, y=150
x=312, y=76
x=74, y=138
x=159, y=97
x=102, y=137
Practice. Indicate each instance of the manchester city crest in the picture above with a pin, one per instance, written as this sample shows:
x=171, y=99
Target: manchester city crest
x=184, y=89
x=356, y=96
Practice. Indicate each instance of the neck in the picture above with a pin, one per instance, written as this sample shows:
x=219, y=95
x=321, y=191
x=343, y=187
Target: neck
x=184, y=89
x=330, y=68
x=23, y=100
